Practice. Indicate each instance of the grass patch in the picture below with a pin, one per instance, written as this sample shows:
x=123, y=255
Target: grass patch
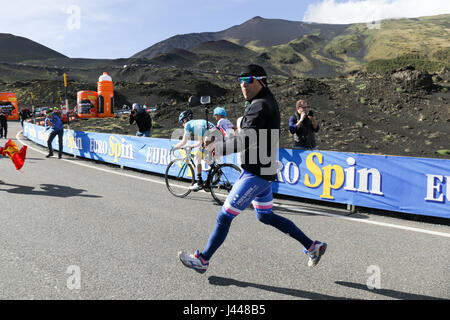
x=419, y=62
x=444, y=152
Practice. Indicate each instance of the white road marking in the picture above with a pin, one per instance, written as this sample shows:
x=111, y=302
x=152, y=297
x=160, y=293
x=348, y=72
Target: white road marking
x=383, y=224
x=92, y=167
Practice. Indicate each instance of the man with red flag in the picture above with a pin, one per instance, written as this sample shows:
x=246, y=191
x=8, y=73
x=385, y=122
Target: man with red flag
x=12, y=151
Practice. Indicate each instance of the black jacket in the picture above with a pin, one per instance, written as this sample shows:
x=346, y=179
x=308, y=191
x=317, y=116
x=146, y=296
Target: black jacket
x=25, y=114
x=143, y=120
x=303, y=136
x=258, y=141
x=3, y=120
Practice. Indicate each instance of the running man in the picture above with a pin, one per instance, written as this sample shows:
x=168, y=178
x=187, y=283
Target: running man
x=261, y=118
x=198, y=129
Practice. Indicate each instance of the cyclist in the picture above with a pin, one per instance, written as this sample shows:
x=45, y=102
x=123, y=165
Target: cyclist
x=261, y=117
x=205, y=138
x=225, y=126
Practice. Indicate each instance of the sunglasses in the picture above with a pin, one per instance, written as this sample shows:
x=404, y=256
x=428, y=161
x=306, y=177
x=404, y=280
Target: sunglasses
x=250, y=79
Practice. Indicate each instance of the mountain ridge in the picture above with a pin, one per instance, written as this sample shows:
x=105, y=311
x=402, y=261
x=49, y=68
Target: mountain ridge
x=16, y=49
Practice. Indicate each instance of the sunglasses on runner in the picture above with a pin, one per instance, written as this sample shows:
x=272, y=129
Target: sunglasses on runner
x=250, y=79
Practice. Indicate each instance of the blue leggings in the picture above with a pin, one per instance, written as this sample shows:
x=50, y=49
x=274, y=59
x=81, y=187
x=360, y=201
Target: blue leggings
x=250, y=189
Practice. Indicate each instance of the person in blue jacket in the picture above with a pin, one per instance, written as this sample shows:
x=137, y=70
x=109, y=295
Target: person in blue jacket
x=54, y=125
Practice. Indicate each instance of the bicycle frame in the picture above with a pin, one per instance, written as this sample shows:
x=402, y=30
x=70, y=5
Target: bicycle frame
x=188, y=158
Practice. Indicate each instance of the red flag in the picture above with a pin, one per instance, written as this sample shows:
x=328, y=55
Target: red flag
x=12, y=151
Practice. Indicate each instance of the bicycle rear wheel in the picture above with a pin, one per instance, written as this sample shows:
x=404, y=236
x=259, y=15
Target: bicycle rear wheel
x=222, y=180
x=179, y=177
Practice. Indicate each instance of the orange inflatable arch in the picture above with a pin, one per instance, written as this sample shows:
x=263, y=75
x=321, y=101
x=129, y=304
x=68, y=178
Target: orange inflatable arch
x=9, y=105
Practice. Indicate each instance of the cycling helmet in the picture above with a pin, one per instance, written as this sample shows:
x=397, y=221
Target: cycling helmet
x=185, y=115
x=220, y=111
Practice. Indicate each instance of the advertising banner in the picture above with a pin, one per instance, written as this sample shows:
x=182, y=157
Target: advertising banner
x=403, y=184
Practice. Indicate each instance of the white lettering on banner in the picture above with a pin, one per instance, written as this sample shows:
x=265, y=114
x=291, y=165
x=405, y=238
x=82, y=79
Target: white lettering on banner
x=158, y=156
x=279, y=171
x=295, y=172
x=98, y=146
x=43, y=135
x=350, y=175
x=433, y=188
x=31, y=132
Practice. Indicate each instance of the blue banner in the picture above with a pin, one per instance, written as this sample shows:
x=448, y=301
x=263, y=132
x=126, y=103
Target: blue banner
x=403, y=184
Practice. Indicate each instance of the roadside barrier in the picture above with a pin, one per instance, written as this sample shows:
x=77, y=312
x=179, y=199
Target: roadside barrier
x=402, y=184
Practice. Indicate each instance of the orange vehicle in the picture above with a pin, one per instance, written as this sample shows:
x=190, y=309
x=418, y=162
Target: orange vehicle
x=87, y=104
x=105, y=96
x=9, y=105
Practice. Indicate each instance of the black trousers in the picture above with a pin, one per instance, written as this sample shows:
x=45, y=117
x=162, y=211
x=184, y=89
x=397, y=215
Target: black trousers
x=52, y=136
x=3, y=130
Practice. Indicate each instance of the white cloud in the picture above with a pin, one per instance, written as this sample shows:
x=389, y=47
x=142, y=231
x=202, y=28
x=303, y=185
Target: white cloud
x=358, y=11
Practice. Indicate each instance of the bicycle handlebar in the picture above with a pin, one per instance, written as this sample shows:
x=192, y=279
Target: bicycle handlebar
x=187, y=149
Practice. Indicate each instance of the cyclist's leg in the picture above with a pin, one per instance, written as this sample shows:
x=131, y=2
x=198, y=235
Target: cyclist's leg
x=263, y=204
x=198, y=165
x=239, y=198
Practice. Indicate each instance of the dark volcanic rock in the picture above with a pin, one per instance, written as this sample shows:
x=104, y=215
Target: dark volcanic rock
x=412, y=79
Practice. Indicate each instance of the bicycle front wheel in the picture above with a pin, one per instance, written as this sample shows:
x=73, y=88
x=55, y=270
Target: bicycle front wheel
x=222, y=180
x=179, y=177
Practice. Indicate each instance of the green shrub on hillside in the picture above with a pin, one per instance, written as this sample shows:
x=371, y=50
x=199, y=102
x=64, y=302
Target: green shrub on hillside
x=442, y=55
x=417, y=61
x=345, y=44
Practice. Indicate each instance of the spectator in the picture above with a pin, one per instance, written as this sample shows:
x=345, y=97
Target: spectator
x=143, y=121
x=55, y=125
x=3, y=124
x=302, y=126
x=24, y=115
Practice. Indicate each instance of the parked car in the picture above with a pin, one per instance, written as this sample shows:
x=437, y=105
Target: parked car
x=40, y=111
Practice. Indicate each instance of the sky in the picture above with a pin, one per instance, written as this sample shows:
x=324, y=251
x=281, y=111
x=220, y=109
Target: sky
x=111, y=29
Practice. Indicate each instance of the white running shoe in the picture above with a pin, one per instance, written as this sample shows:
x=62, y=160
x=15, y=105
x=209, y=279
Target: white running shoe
x=193, y=261
x=316, y=253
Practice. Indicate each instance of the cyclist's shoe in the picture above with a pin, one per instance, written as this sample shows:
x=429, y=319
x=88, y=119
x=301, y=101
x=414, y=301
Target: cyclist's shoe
x=193, y=261
x=197, y=186
x=316, y=253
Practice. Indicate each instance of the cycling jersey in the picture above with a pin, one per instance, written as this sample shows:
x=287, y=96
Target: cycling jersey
x=197, y=127
x=226, y=127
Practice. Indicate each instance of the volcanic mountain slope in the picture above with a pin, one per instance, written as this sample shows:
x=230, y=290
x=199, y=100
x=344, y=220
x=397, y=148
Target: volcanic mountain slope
x=311, y=49
x=18, y=49
x=256, y=31
x=284, y=48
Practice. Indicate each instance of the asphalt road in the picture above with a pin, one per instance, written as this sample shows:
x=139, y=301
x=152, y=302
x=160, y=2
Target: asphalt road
x=76, y=229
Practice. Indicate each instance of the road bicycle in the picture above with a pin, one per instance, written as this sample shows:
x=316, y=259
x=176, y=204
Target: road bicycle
x=180, y=176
